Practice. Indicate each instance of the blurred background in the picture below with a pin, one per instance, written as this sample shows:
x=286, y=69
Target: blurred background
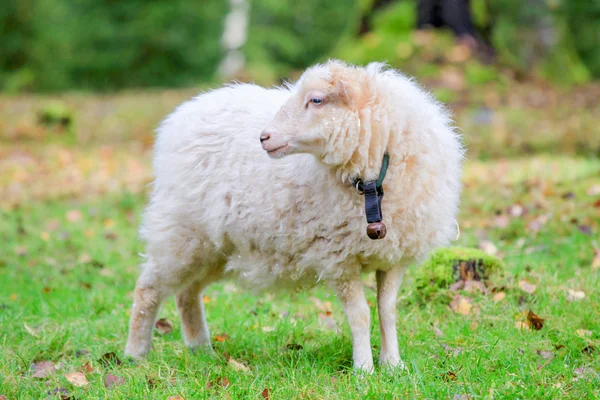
x=84, y=83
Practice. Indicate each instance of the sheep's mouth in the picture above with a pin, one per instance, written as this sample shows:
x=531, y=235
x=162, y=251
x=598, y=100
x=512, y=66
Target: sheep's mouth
x=279, y=151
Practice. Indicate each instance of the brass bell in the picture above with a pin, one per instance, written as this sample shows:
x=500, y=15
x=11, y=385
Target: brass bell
x=376, y=230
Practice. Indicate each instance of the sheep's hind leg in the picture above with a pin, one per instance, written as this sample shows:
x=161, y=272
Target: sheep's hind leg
x=193, y=321
x=388, y=283
x=352, y=295
x=149, y=294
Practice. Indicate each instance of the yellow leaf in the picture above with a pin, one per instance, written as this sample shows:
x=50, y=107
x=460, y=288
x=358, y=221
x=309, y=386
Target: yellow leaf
x=77, y=379
x=499, y=296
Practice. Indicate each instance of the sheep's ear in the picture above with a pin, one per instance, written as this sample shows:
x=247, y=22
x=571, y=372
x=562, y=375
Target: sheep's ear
x=346, y=92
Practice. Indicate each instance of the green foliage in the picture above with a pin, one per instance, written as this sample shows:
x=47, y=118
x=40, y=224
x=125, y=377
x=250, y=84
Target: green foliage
x=89, y=44
x=286, y=35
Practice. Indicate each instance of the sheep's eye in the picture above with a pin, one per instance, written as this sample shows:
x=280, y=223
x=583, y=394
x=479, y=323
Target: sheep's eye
x=316, y=101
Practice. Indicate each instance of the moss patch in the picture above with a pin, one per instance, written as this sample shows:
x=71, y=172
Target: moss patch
x=448, y=265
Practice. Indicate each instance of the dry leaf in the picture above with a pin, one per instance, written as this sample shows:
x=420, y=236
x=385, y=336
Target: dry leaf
x=43, y=369
x=164, y=326
x=113, y=380
x=2, y=397
x=452, y=350
x=87, y=368
x=536, y=322
x=266, y=394
x=205, y=299
x=475, y=286
x=74, y=216
x=522, y=324
x=502, y=221
x=575, y=295
x=327, y=320
x=77, y=379
x=222, y=381
x=457, y=286
x=449, y=376
x=488, y=247
x=437, y=331
x=596, y=260
x=546, y=355
x=175, y=398
x=221, y=338
x=499, y=296
x=109, y=359
x=583, y=332
x=527, y=287
x=461, y=305
x=593, y=190
x=238, y=366
x=62, y=394
x=31, y=331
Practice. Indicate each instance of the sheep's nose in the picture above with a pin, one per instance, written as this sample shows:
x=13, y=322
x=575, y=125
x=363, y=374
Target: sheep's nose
x=265, y=136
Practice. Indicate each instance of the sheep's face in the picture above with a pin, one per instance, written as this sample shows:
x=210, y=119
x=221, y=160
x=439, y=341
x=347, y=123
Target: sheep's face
x=319, y=119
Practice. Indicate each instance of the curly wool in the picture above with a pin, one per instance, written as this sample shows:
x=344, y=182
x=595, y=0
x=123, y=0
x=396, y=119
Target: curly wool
x=219, y=201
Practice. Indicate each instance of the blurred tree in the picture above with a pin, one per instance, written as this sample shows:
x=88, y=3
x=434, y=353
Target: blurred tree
x=289, y=34
x=109, y=44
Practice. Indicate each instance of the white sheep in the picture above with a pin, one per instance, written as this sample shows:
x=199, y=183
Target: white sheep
x=222, y=207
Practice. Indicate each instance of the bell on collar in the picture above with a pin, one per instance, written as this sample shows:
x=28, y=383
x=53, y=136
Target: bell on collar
x=376, y=230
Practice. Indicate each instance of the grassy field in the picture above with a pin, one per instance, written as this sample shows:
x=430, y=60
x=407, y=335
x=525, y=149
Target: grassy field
x=70, y=201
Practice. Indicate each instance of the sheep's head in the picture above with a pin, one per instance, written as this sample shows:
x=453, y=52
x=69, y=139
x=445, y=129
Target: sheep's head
x=321, y=117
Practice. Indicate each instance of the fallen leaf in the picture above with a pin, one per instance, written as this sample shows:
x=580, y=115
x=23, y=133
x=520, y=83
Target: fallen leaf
x=437, y=331
x=516, y=210
x=175, y=398
x=593, y=190
x=221, y=338
x=589, y=350
x=545, y=354
x=585, y=373
x=449, y=376
x=205, y=299
x=475, y=286
x=43, y=369
x=536, y=322
x=74, y=215
x=221, y=381
x=77, y=379
x=585, y=229
x=62, y=393
x=87, y=368
x=461, y=305
x=488, y=247
x=452, y=350
x=238, y=366
x=596, y=260
x=2, y=397
x=527, y=287
x=463, y=396
x=583, y=332
x=266, y=394
x=499, y=296
x=457, y=286
x=522, y=324
x=502, y=221
x=327, y=320
x=109, y=359
x=164, y=326
x=575, y=295
x=31, y=331
x=113, y=380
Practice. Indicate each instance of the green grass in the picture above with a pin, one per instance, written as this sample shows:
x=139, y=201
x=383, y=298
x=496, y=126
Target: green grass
x=66, y=281
x=70, y=203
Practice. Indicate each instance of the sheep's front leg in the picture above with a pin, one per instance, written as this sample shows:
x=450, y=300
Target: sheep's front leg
x=388, y=283
x=352, y=295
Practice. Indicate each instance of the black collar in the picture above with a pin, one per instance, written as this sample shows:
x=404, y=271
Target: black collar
x=373, y=192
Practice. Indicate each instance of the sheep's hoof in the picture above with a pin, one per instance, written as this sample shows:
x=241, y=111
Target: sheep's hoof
x=376, y=230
